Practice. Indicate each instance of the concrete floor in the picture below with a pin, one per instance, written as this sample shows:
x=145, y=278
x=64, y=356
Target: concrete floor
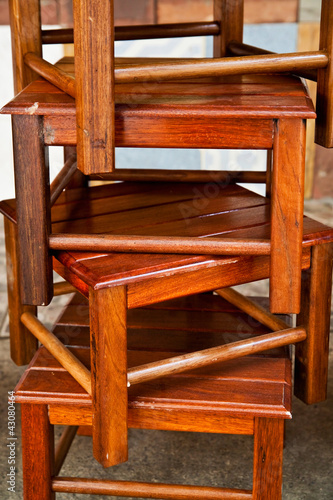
x=187, y=458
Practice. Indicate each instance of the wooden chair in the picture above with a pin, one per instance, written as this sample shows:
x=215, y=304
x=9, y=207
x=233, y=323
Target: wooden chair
x=117, y=282
x=247, y=397
x=96, y=145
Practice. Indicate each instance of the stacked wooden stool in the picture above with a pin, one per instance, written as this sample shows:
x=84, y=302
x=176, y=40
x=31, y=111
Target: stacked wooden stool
x=148, y=252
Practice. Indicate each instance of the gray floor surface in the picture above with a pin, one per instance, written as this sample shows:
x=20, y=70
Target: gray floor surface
x=187, y=458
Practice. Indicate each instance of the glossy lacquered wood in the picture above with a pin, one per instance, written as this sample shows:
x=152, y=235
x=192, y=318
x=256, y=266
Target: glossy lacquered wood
x=235, y=398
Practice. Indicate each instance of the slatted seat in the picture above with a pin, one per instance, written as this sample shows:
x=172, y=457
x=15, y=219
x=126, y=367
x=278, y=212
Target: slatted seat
x=117, y=282
x=251, y=396
x=246, y=112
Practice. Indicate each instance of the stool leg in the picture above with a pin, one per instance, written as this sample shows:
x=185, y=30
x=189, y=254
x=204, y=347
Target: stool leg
x=23, y=344
x=33, y=209
x=311, y=355
x=37, y=452
x=287, y=215
x=267, y=462
x=108, y=308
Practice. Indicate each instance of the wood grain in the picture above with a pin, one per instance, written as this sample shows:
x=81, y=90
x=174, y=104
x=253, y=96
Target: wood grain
x=324, y=122
x=230, y=15
x=33, y=212
x=287, y=215
x=268, y=450
x=37, y=452
x=25, y=23
x=311, y=361
x=109, y=374
x=94, y=79
x=23, y=344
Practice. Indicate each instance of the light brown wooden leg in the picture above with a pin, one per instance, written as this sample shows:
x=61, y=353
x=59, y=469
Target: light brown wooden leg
x=23, y=344
x=287, y=215
x=268, y=455
x=109, y=374
x=230, y=14
x=311, y=355
x=32, y=187
x=37, y=452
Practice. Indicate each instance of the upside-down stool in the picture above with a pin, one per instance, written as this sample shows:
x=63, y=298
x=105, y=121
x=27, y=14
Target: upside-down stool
x=251, y=396
x=117, y=282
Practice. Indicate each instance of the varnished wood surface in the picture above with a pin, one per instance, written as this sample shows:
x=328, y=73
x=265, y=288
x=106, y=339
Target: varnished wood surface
x=149, y=208
x=230, y=387
x=253, y=95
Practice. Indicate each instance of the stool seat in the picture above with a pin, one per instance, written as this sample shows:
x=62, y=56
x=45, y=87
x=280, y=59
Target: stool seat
x=258, y=385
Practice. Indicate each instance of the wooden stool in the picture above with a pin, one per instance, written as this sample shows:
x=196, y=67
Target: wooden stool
x=115, y=283
x=249, y=396
x=253, y=112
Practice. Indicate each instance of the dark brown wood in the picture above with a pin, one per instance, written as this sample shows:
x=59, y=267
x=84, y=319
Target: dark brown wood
x=62, y=180
x=230, y=15
x=37, y=452
x=158, y=244
x=63, y=446
x=33, y=211
x=311, y=362
x=148, y=490
x=287, y=216
x=141, y=32
x=324, y=123
x=147, y=175
x=213, y=355
x=23, y=344
x=109, y=374
x=268, y=451
x=25, y=24
x=94, y=77
x=265, y=63
x=54, y=75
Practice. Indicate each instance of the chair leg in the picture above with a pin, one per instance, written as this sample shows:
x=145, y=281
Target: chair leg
x=108, y=309
x=37, y=452
x=23, y=344
x=267, y=462
x=311, y=355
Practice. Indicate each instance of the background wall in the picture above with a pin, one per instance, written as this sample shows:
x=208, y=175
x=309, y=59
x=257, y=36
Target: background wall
x=285, y=26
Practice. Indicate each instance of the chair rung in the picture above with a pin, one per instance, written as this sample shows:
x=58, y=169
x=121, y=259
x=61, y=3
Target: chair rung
x=136, y=489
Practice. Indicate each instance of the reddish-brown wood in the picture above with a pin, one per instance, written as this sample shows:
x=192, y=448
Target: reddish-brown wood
x=37, y=452
x=23, y=344
x=230, y=15
x=109, y=374
x=62, y=180
x=94, y=80
x=198, y=359
x=324, y=123
x=311, y=363
x=287, y=216
x=25, y=24
x=268, y=451
x=33, y=212
x=54, y=75
x=148, y=490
